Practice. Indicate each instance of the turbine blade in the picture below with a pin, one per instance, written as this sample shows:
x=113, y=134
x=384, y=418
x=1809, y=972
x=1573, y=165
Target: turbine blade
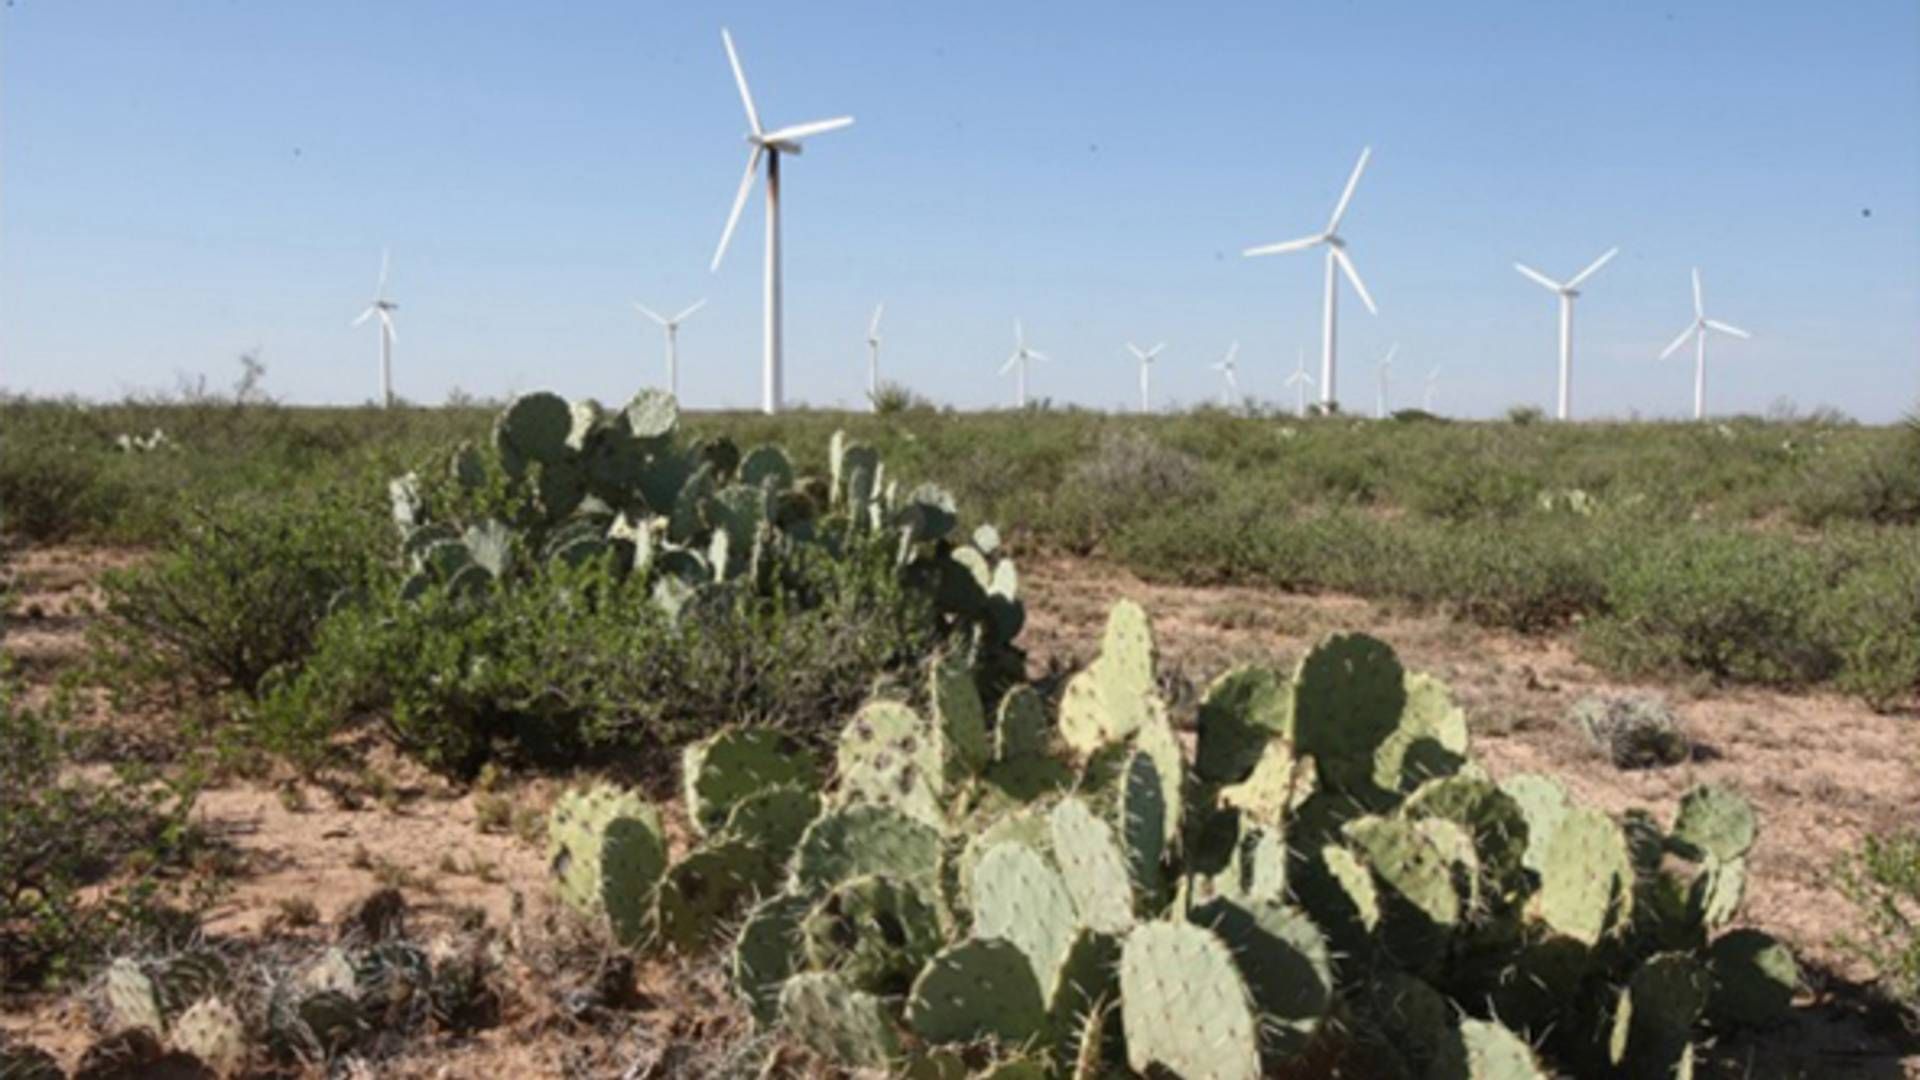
x=1353, y=274
x=1036, y=354
x=1539, y=277
x=650, y=313
x=1346, y=197
x=796, y=132
x=1233, y=350
x=1284, y=246
x=1679, y=341
x=739, y=203
x=697, y=305
x=1155, y=351
x=1728, y=328
x=1011, y=360
x=740, y=79
x=1135, y=350
x=873, y=328
x=1699, y=305
x=1592, y=268
x=1391, y=353
x=364, y=316
x=386, y=319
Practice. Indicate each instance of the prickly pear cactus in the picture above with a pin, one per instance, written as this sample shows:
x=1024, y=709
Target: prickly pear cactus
x=1019, y=897
x=731, y=765
x=839, y=1022
x=979, y=988
x=1093, y=866
x=607, y=853
x=1111, y=699
x=1184, y=1005
x=1713, y=822
x=863, y=839
x=132, y=1001
x=1586, y=874
x=889, y=756
x=211, y=1031
x=876, y=932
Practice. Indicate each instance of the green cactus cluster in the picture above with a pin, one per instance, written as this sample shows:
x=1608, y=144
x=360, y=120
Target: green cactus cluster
x=1329, y=875
x=574, y=483
x=188, y=1014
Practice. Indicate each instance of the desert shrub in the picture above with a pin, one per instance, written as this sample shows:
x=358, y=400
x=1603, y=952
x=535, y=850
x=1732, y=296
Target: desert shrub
x=578, y=663
x=1632, y=731
x=84, y=858
x=50, y=491
x=1870, y=620
x=1522, y=415
x=241, y=588
x=1472, y=488
x=1530, y=579
x=895, y=398
x=1733, y=605
x=1882, y=879
x=1131, y=477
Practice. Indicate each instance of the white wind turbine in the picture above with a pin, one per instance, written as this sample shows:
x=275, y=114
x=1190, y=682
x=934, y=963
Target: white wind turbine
x=1385, y=370
x=1426, y=401
x=672, y=328
x=1227, y=368
x=1146, y=359
x=1567, y=291
x=769, y=145
x=1698, y=330
x=1300, y=380
x=873, y=358
x=1018, y=362
x=1336, y=255
x=384, y=309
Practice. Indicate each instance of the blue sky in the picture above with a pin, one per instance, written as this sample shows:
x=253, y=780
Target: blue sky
x=182, y=181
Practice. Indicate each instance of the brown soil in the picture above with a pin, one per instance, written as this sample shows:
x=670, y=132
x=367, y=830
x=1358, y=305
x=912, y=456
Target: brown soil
x=1821, y=770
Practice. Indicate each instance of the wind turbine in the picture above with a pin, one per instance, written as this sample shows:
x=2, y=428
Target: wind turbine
x=672, y=327
x=384, y=308
x=1227, y=368
x=1300, y=380
x=1698, y=330
x=873, y=358
x=1567, y=291
x=1426, y=402
x=769, y=145
x=1146, y=359
x=1336, y=256
x=1021, y=355
x=1385, y=369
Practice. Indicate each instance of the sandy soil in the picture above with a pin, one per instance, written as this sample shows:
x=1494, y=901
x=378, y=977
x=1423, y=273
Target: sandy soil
x=1822, y=771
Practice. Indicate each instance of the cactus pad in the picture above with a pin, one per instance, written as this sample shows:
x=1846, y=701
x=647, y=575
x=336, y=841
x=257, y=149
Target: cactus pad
x=703, y=889
x=1586, y=876
x=211, y=1031
x=651, y=415
x=1713, y=821
x=1019, y=897
x=1021, y=731
x=729, y=766
x=859, y=840
x=1093, y=866
x=132, y=1000
x=1243, y=711
x=837, y=1021
x=1348, y=696
x=979, y=988
x=960, y=716
x=534, y=428
x=1430, y=740
x=876, y=932
x=1754, y=977
x=889, y=756
x=773, y=820
x=1284, y=961
x=606, y=851
x=1486, y=1050
x=1183, y=1005
x=767, y=953
x=1543, y=802
x=1108, y=701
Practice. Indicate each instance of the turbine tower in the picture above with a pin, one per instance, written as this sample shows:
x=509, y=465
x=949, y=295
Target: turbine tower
x=1300, y=380
x=1568, y=291
x=768, y=145
x=1698, y=331
x=1146, y=359
x=873, y=358
x=1385, y=370
x=1227, y=368
x=384, y=308
x=1336, y=256
x=1018, y=361
x=672, y=327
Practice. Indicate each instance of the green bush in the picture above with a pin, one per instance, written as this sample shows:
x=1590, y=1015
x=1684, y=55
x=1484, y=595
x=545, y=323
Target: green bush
x=84, y=859
x=1131, y=477
x=1870, y=620
x=50, y=491
x=577, y=663
x=1734, y=605
x=1883, y=881
x=241, y=588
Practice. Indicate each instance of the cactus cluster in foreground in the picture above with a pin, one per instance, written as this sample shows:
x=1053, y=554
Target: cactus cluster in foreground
x=1328, y=877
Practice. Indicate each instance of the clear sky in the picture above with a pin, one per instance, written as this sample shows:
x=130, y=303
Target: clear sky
x=181, y=181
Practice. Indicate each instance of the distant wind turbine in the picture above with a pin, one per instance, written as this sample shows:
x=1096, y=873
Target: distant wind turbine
x=1300, y=380
x=672, y=328
x=1567, y=291
x=770, y=145
x=1336, y=255
x=1698, y=331
x=873, y=358
x=1022, y=355
x=1386, y=370
x=1426, y=402
x=1146, y=359
x=384, y=308
x=1227, y=368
